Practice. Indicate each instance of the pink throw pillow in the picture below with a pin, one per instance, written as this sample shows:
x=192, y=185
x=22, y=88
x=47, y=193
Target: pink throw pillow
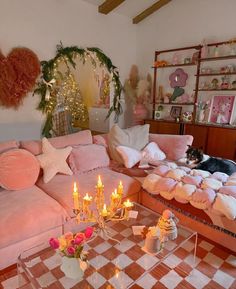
x=83, y=137
x=174, y=146
x=11, y=144
x=19, y=169
x=88, y=157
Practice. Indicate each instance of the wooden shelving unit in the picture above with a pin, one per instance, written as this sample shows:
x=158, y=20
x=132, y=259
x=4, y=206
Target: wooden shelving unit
x=215, y=138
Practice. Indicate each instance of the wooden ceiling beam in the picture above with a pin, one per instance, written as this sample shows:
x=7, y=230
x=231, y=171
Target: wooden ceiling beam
x=109, y=5
x=156, y=6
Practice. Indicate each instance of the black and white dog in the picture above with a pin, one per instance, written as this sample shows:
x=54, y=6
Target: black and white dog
x=198, y=160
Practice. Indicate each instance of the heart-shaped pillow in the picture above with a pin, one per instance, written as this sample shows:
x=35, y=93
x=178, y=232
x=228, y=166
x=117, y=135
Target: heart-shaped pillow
x=19, y=71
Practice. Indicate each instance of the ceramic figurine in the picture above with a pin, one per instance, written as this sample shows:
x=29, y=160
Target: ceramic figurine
x=167, y=225
x=215, y=83
x=234, y=84
x=225, y=82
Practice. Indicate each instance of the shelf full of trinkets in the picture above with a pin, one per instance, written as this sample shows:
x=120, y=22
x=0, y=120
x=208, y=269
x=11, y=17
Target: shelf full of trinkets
x=217, y=84
x=174, y=83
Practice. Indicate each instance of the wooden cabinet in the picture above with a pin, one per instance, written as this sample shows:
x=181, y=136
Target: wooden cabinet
x=199, y=134
x=215, y=141
x=221, y=142
x=163, y=127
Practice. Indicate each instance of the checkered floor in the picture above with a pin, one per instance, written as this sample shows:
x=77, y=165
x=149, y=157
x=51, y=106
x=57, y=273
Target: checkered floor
x=118, y=266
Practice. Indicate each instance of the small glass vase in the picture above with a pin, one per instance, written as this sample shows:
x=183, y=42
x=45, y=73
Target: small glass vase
x=201, y=116
x=72, y=268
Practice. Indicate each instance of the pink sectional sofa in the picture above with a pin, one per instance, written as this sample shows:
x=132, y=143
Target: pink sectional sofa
x=33, y=215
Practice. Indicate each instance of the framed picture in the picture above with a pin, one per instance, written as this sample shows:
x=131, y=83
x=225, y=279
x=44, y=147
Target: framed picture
x=221, y=110
x=175, y=111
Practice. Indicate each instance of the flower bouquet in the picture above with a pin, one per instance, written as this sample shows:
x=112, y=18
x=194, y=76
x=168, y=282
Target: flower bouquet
x=70, y=246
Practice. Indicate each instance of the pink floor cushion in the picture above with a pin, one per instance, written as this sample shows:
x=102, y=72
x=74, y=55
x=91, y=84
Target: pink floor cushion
x=186, y=169
x=231, y=182
x=180, y=200
x=225, y=205
x=203, y=199
x=161, y=170
x=150, y=182
x=167, y=195
x=61, y=187
x=11, y=144
x=228, y=190
x=222, y=177
x=203, y=174
x=165, y=184
x=27, y=213
x=174, y=146
x=88, y=157
x=192, y=180
x=19, y=169
x=79, y=138
x=184, y=191
x=176, y=174
x=211, y=183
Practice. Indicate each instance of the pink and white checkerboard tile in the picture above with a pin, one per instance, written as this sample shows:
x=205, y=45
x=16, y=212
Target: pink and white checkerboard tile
x=118, y=266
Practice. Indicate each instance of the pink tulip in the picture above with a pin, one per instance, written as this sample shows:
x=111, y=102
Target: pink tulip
x=78, y=240
x=81, y=235
x=68, y=236
x=54, y=243
x=70, y=250
x=88, y=232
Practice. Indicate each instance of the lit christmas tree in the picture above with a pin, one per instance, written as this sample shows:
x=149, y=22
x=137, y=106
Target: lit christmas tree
x=69, y=109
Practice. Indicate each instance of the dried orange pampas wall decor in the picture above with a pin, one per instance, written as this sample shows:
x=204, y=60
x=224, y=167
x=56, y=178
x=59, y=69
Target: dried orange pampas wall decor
x=18, y=74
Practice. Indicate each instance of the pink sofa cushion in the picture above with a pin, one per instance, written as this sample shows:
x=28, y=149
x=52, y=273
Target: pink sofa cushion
x=101, y=140
x=174, y=146
x=88, y=157
x=61, y=187
x=19, y=169
x=79, y=138
x=27, y=213
x=11, y=144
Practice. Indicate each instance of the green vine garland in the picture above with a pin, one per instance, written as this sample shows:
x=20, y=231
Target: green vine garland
x=68, y=55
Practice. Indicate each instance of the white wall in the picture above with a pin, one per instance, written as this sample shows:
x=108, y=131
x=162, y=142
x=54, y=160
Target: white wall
x=184, y=23
x=40, y=26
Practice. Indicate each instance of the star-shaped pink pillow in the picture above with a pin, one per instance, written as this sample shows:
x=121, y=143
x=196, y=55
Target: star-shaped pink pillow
x=53, y=160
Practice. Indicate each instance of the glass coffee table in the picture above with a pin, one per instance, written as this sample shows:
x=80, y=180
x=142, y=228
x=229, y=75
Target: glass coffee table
x=112, y=264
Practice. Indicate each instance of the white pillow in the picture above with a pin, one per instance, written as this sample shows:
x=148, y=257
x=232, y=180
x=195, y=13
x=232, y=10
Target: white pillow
x=153, y=154
x=53, y=160
x=129, y=156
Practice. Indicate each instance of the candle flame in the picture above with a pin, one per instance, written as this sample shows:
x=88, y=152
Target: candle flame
x=120, y=184
x=99, y=181
x=75, y=187
x=104, y=207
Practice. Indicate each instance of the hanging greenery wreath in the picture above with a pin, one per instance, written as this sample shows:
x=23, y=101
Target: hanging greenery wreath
x=68, y=55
